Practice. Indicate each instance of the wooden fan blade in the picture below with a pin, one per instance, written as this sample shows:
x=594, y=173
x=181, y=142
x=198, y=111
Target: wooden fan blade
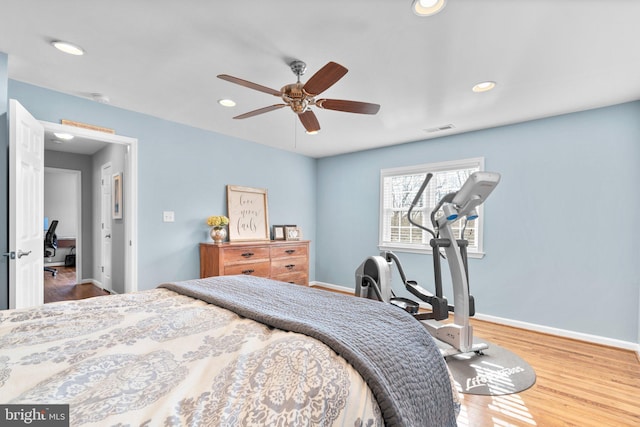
x=326, y=77
x=309, y=121
x=348, y=106
x=249, y=84
x=260, y=111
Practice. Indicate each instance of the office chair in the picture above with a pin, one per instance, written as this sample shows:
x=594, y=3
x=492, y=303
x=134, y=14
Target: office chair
x=50, y=245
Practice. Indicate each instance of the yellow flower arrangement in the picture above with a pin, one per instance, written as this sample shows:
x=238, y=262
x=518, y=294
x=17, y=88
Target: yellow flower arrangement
x=217, y=221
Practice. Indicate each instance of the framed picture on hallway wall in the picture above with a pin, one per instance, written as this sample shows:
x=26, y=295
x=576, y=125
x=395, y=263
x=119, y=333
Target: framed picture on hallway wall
x=116, y=195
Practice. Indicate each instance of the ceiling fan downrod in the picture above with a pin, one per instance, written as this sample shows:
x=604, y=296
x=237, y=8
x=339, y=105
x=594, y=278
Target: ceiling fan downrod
x=292, y=94
x=298, y=68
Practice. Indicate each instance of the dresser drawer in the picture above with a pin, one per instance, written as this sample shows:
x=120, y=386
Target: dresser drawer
x=295, y=278
x=245, y=254
x=288, y=265
x=289, y=251
x=260, y=269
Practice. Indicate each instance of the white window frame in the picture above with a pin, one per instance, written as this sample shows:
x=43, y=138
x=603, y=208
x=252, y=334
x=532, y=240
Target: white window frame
x=424, y=247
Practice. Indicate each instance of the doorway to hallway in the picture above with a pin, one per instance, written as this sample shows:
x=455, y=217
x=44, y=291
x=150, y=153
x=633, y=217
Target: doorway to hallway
x=90, y=150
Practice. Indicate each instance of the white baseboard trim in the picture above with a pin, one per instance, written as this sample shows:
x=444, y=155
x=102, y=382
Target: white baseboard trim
x=97, y=283
x=580, y=336
x=332, y=286
x=596, y=339
x=93, y=282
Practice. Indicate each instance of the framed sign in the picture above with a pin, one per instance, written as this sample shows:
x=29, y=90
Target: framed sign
x=248, y=213
x=116, y=195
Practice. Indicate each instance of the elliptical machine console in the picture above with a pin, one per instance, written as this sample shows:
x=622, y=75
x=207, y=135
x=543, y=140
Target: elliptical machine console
x=373, y=276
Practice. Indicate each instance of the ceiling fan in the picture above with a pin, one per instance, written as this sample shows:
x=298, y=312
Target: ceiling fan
x=301, y=96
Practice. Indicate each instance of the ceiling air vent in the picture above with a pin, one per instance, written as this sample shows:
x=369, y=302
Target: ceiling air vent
x=440, y=128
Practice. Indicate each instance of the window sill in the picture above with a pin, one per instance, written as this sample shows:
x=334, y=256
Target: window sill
x=420, y=250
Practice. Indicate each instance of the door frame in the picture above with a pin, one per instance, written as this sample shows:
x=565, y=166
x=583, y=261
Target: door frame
x=130, y=190
x=78, y=178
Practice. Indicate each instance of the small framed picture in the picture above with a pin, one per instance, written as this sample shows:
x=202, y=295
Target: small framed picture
x=292, y=232
x=116, y=196
x=278, y=232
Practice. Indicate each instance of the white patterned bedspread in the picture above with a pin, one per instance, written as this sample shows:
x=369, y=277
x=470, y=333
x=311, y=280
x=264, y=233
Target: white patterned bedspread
x=158, y=358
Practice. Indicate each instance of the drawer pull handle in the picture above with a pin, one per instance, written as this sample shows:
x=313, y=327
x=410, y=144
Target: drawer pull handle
x=290, y=266
x=290, y=251
x=248, y=254
x=247, y=271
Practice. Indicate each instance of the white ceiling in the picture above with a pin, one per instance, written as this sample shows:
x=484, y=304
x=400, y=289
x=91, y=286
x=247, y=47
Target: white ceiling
x=161, y=57
x=77, y=145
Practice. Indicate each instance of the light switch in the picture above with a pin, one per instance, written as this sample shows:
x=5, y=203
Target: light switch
x=168, y=216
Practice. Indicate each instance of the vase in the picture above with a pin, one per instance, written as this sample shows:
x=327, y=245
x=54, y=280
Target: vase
x=218, y=234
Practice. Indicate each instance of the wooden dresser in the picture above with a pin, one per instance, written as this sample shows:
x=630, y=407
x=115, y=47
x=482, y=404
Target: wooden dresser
x=283, y=260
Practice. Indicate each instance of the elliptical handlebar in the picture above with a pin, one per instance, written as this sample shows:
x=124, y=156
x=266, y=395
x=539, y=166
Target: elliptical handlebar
x=415, y=202
x=389, y=256
x=421, y=190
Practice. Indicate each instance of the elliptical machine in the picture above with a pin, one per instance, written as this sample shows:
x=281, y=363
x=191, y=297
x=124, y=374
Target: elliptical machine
x=373, y=276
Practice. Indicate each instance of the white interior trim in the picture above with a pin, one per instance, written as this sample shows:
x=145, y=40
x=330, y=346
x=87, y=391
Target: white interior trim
x=595, y=339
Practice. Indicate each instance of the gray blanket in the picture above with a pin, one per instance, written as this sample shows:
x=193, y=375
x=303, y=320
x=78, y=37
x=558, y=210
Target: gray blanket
x=394, y=353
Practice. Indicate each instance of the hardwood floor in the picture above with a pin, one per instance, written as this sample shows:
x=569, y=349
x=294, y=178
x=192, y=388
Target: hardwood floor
x=63, y=287
x=578, y=384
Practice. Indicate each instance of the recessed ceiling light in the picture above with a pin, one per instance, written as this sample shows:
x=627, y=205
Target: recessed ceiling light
x=484, y=86
x=66, y=47
x=427, y=7
x=63, y=136
x=227, y=102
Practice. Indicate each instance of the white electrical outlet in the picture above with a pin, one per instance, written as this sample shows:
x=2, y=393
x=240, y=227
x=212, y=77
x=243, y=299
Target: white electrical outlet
x=168, y=216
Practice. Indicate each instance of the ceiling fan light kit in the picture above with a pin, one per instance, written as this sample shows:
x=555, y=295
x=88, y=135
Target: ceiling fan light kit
x=300, y=97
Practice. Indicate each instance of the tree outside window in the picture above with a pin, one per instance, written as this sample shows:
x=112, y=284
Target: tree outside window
x=398, y=189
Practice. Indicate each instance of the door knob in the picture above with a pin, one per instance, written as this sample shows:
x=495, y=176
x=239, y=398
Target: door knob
x=108, y=236
x=10, y=255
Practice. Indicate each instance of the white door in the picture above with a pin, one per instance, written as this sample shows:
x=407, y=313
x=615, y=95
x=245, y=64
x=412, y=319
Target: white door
x=105, y=220
x=26, y=195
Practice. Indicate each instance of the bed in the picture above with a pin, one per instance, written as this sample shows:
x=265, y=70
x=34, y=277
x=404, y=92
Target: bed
x=226, y=351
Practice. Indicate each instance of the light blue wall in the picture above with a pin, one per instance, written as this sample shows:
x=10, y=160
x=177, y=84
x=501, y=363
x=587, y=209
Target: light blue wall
x=560, y=230
x=186, y=170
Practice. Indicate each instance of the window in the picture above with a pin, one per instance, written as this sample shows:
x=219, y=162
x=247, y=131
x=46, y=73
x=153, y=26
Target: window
x=398, y=188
